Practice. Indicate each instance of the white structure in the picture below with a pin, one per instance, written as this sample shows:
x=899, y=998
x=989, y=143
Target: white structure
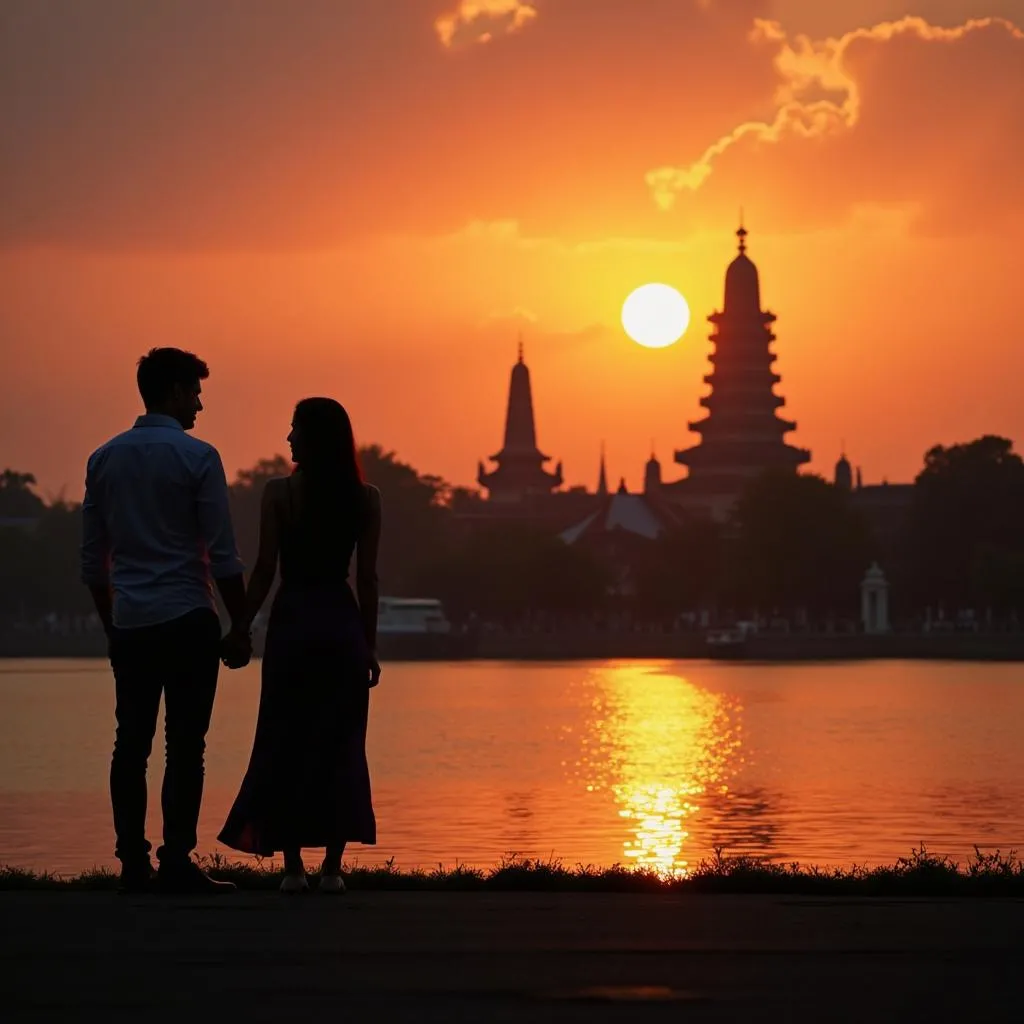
x=874, y=600
x=411, y=615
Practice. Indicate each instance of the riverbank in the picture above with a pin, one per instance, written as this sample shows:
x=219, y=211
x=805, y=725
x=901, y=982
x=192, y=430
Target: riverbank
x=506, y=957
x=592, y=646
x=920, y=874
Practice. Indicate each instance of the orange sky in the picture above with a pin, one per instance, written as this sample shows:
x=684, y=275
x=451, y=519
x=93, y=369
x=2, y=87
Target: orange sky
x=371, y=199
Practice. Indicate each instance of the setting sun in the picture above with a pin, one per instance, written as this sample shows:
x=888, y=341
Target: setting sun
x=655, y=315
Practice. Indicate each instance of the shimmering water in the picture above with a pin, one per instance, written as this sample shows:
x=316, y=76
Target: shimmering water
x=654, y=763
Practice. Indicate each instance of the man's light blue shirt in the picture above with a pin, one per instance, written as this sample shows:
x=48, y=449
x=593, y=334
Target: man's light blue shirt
x=156, y=522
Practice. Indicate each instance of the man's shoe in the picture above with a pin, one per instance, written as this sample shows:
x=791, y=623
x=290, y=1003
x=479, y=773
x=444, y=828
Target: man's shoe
x=189, y=878
x=136, y=878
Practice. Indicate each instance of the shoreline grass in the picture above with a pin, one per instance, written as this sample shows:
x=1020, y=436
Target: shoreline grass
x=921, y=874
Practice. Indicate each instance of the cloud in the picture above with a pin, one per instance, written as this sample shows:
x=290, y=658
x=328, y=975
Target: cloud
x=477, y=21
x=819, y=94
x=189, y=125
x=180, y=125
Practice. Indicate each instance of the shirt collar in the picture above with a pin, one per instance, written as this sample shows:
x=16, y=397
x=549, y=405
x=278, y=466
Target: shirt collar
x=158, y=419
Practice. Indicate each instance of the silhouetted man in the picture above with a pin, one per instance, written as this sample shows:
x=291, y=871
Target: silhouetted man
x=156, y=531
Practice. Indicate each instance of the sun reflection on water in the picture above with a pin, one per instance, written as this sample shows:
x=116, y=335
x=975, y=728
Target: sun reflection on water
x=662, y=747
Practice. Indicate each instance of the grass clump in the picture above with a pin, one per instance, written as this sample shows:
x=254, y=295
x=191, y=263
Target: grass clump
x=920, y=874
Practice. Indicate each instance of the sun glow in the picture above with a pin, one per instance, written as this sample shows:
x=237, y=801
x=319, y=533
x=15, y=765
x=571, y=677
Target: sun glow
x=655, y=315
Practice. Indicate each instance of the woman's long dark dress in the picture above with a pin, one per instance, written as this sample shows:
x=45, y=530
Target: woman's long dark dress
x=308, y=783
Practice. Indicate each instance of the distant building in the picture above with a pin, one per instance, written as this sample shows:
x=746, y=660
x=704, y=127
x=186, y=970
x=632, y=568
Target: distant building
x=602, y=477
x=519, y=489
x=742, y=435
x=619, y=528
x=519, y=474
x=884, y=506
x=634, y=514
x=844, y=474
x=652, y=477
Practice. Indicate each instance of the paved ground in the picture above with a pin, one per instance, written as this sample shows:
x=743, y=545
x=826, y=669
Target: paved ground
x=501, y=957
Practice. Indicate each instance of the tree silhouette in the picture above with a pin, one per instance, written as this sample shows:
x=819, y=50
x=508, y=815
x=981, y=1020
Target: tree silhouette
x=798, y=543
x=507, y=571
x=682, y=569
x=966, y=526
x=17, y=499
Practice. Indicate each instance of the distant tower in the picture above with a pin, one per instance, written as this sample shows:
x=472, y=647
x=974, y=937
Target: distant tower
x=860, y=479
x=874, y=601
x=742, y=435
x=844, y=474
x=520, y=472
x=652, y=474
x=602, y=477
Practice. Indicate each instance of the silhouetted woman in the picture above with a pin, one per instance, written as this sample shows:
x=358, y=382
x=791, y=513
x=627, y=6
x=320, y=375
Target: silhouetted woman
x=308, y=784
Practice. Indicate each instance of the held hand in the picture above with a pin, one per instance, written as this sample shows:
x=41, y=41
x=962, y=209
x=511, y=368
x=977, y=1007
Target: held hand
x=236, y=649
x=374, y=669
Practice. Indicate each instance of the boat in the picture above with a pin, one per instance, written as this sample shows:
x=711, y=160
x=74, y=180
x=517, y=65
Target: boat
x=408, y=629
x=411, y=615
x=730, y=642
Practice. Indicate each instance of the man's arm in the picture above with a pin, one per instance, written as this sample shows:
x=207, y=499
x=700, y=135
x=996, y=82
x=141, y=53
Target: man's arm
x=95, y=552
x=226, y=567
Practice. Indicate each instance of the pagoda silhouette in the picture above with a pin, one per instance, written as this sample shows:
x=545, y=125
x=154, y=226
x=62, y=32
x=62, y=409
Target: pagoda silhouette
x=519, y=473
x=742, y=435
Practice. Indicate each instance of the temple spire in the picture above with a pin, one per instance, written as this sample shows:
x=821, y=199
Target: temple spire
x=602, y=477
x=520, y=346
x=652, y=473
x=520, y=431
x=520, y=470
x=742, y=286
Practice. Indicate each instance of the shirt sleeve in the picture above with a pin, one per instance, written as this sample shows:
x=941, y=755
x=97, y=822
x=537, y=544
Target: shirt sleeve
x=95, y=551
x=215, y=518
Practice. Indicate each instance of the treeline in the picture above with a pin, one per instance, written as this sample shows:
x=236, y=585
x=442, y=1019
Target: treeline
x=796, y=547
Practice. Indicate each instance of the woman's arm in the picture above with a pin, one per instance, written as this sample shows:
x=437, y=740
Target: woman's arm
x=366, y=567
x=262, y=578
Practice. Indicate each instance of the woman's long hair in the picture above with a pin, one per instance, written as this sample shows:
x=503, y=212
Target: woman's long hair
x=329, y=463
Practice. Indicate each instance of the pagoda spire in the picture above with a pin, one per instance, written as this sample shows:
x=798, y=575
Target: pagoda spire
x=602, y=477
x=652, y=473
x=520, y=462
x=520, y=429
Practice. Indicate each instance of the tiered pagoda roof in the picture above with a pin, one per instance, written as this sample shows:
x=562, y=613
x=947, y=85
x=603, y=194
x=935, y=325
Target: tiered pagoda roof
x=742, y=434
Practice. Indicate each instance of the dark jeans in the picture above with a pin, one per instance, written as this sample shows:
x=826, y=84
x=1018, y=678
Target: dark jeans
x=180, y=659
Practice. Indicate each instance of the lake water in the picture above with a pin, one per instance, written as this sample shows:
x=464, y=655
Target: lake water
x=652, y=763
